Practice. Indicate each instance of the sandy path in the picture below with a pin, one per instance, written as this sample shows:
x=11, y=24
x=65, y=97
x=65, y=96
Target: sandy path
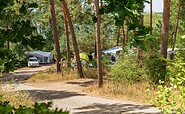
x=69, y=96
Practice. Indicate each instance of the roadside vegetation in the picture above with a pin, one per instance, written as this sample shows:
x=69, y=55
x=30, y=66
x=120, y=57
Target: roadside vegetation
x=16, y=98
x=22, y=102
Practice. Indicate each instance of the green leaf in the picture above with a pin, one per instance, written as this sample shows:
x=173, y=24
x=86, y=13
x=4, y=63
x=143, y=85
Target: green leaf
x=94, y=19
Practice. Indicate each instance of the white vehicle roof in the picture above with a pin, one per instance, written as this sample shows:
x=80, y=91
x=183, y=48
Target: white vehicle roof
x=112, y=50
x=38, y=53
x=32, y=58
x=176, y=49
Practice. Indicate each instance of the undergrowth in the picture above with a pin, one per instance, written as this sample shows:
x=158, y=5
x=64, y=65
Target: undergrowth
x=134, y=92
x=16, y=98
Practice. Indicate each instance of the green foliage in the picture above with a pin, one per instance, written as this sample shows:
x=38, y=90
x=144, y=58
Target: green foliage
x=126, y=70
x=163, y=99
x=7, y=60
x=171, y=97
x=124, y=10
x=156, y=16
x=155, y=66
x=16, y=27
x=38, y=108
x=106, y=61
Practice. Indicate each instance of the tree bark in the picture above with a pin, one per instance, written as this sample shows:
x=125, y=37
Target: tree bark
x=165, y=27
x=118, y=36
x=56, y=40
x=151, y=14
x=123, y=35
x=67, y=41
x=98, y=44
x=75, y=46
x=176, y=28
x=126, y=36
x=95, y=50
x=139, y=50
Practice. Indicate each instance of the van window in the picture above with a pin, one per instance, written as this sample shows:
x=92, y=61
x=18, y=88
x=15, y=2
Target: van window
x=33, y=60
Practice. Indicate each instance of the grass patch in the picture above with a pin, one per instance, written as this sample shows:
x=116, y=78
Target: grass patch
x=134, y=92
x=16, y=98
x=50, y=75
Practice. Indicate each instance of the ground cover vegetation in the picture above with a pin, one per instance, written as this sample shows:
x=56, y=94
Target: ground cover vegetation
x=143, y=64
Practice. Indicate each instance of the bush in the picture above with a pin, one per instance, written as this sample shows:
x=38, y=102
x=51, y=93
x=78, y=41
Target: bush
x=38, y=108
x=155, y=67
x=126, y=70
x=171, y=97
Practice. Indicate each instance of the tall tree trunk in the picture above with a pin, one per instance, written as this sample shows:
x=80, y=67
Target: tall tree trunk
x=118, y=36
x=75, y=46
x=56, y=40
x=123, y=35
x=176, y=28
x=139, y=50
x=67, y=42
x=98, y=44
x=151, y=14
x=165, y=27
x=126, y=36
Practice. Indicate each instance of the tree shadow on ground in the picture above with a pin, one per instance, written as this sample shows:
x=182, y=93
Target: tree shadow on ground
x=116, y=109
x=84, y=83
x=17, y=76
x=42, y=95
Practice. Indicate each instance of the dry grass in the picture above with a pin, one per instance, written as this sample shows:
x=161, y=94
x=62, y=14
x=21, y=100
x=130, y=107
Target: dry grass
x=50, y=75
x=16, y=98
x=24, y=68
x=135, y=92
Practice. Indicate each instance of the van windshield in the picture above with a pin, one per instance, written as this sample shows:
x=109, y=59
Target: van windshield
x=33, y=60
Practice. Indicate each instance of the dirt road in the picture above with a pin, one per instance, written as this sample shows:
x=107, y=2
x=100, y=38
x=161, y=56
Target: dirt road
x=65, y=97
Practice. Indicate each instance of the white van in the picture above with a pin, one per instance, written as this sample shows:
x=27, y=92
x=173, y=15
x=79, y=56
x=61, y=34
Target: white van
x=33, y=61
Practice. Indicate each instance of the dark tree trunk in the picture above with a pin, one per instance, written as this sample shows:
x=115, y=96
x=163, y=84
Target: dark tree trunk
x=151, y=14
x=165, y=28
x=75, y=46
x=176, y=28
x=126, y=36
x=118, y=36
x=95, y=50
x=98, y=45
x=67, y=42
x=139, y=50
x=56, y=40
x=123, y=35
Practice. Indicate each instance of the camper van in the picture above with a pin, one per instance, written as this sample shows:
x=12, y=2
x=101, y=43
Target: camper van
x=43, y=57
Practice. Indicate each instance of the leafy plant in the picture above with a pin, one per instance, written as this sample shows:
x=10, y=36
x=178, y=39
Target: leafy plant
x=38, y=108
x=171, y=98
x=126, y=70
x=154, y=66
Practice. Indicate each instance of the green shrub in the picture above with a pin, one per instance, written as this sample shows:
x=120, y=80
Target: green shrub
x=155, y=67
x=171, y=97
x=38, y=108
x=126, y=70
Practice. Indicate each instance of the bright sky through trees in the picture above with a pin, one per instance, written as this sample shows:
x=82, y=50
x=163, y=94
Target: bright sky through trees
x=157, y=6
